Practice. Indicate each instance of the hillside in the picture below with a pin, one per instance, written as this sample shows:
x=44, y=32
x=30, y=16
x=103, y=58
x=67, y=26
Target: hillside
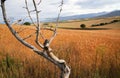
x=82, y=16
x=88, y=52
x=86, y=16
x=75, y=24
x=76, y=17
x=111, y=14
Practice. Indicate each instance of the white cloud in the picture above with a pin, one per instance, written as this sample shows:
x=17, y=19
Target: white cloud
x=90, y=4
x=49, y=8
x=73, y=7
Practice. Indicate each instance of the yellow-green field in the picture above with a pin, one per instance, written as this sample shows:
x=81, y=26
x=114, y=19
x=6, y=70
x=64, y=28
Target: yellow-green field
x=93, y=52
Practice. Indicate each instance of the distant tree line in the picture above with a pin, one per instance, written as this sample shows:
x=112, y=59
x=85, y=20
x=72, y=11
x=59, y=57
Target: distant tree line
x=101, y=24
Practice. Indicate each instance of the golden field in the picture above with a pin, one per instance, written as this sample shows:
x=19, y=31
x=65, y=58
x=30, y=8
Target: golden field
x=93, y=52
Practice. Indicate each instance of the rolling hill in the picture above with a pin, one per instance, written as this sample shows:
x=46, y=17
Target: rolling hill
x=83, y=50
x=90, y=15
x=111, y=14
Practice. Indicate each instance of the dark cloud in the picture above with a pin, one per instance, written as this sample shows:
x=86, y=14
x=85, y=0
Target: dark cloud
x=93, y=4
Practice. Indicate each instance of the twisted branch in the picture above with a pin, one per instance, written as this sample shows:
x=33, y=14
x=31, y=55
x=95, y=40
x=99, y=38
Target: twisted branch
x=47, y=51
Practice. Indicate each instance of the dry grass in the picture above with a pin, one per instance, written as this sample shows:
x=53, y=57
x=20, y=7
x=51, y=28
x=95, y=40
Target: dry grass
x=88, y=22
x=90, y=53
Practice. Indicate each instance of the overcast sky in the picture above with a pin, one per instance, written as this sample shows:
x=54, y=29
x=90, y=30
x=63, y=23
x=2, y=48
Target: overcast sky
x=49, y=8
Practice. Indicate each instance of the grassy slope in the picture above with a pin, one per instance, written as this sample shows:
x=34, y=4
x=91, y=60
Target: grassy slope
x=89, y=22
x=87, y=51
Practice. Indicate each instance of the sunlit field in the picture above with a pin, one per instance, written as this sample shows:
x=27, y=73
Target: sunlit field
x=90, y=53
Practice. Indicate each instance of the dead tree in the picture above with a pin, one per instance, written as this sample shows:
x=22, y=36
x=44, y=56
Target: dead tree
x=46, y=51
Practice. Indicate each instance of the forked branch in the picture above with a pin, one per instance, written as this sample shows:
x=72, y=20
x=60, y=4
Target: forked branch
x=29, y=36
x=57, y=21
x=12, y=29
x=38, y=25
x=47, y=51
x=29, y=12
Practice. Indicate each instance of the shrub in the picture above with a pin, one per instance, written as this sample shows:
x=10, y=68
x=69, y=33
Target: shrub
x=102, y=24
x=115, y=21
x=93, y=25
x=105, y=23
x=97, y=24
x=46, y=24
x=27, y=23
x=82, y=25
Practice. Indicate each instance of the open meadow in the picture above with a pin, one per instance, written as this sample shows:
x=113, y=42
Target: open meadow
x=93, y=52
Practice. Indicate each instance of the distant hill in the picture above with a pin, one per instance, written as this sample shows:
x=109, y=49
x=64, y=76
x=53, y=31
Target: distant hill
x=111, y=14
x=74, y=17
x=82, y=16
x=91, y=15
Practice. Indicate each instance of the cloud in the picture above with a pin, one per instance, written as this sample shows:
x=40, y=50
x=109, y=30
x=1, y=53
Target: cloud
x=96, y=4
x=69, y=8
x=73, y=7
x=50, y=9
x=15, y=8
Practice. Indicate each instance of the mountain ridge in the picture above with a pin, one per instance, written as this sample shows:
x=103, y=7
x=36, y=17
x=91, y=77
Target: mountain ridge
x=90, y=15
x=111, y=14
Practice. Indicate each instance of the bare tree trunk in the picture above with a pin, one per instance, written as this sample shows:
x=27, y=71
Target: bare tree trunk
x=47, y=51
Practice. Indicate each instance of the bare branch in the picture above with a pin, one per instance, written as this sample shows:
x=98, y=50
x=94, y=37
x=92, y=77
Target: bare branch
x=57, y=21
x=37, y=15
x=39, y=2
x=23, y=29
x=42, y=36
x=32, y=11
x=29, y=12
x=65, y=70
x=47, y=51
x=11, y=29
x=48, y=28
x=29, y=36
x=38, y=26
x=16, y=22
